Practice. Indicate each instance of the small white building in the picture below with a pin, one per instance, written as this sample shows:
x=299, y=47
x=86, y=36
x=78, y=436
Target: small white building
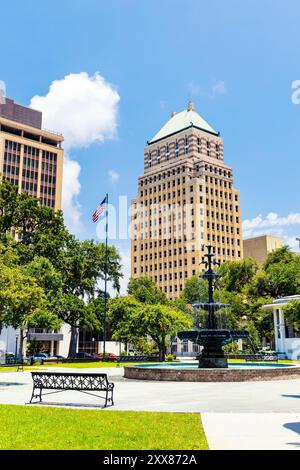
x=287, y=342
x=55, y=342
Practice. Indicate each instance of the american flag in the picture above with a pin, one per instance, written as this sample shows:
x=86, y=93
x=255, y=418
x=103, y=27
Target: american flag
x=99, y=210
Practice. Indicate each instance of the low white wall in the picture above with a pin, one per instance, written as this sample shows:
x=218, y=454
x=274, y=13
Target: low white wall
x=112, y=347
x=292, y=348
x=8, y=339
x=63, y=346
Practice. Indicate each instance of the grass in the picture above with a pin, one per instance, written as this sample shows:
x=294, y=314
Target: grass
x=15, y=368
x=33, y=428
x=73, y=365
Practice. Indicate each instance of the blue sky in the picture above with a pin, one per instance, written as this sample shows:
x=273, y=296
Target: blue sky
x=236, y=61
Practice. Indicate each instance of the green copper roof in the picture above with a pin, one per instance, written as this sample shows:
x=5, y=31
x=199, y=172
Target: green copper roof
x=180, y=121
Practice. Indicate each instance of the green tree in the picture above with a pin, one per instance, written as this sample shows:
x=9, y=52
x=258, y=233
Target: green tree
x=8, y=207
x=236, y=275
x=121, y=312
x=20, y=299
x=84, y=266
x=159, y=322
x=74, y=311
x=195, y=290
x=279, y=276
x=146, y=291
x=292, y=314
x=131, y=320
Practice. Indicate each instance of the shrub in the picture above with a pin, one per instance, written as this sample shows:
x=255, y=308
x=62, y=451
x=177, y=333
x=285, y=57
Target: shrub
x=170, y=357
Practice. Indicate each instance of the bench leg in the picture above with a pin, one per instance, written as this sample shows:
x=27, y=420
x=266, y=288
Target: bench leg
x=32, y=395
x=109, y=399
x=112, y=397
x=36, y=395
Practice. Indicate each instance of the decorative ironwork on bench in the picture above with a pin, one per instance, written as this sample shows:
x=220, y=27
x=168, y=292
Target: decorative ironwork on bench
x=81, y=382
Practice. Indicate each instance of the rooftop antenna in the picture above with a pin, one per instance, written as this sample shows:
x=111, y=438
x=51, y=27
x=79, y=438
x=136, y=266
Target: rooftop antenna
x=2, y=92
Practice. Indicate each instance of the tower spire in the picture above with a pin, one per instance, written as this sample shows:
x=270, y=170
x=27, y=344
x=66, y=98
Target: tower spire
x=190, y=106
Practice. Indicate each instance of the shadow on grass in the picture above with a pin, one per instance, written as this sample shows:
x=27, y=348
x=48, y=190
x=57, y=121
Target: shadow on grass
x=68, y=405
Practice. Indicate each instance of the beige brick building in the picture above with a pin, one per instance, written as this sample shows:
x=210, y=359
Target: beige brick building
x=259, y=247
x=30, y=157
x=186, y=200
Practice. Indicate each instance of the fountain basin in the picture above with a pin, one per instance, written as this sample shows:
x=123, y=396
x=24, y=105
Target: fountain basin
x=189, y=372
x=212, y=340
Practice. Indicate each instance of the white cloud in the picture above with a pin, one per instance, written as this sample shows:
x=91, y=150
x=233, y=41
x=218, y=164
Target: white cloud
x=114, y=176
x=196, y=89
x=85, y=110
x=218, y=88
x=276, y=225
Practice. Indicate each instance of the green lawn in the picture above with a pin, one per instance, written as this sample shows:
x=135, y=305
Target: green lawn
x=33, y=428
x=75, y=365
x=15, y=368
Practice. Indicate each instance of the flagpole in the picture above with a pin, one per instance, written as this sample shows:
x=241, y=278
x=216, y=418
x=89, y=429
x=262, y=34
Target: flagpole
x=105, y=280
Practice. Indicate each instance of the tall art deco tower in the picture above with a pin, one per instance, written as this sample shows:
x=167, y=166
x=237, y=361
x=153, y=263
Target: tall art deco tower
x=186, y=200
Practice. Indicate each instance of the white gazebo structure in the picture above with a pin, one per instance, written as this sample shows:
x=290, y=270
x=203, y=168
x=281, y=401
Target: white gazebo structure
x=287, y=342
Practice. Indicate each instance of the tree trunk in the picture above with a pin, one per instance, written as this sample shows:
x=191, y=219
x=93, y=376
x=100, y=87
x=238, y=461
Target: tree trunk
x=162, y=349
x=73, y=342
x=21, y=342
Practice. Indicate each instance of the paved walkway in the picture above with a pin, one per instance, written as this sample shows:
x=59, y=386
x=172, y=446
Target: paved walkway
x=252, y=431
x=249, y=415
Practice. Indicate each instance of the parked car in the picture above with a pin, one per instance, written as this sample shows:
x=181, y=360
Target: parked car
x=39, y=357
x=107, y=356
x=84, y=355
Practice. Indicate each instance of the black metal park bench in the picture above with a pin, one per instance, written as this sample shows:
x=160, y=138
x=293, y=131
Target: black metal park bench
x=138, y=358
x=81, y=382
x=12, y=361
x=261, y=357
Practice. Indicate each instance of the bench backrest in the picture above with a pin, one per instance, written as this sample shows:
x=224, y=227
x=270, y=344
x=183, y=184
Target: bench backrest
x=69, y=381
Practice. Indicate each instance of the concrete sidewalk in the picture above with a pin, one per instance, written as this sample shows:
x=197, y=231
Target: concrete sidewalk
x=252, y=431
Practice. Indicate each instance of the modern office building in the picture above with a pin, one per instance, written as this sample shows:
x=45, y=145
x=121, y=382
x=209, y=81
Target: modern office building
x=186, y=200
x=259, y=247
x=30, y=157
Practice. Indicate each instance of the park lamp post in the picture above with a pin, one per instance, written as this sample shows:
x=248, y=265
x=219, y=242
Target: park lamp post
x=16, y=348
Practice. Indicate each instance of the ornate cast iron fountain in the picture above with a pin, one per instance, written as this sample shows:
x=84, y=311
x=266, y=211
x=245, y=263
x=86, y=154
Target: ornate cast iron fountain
x=212, y=339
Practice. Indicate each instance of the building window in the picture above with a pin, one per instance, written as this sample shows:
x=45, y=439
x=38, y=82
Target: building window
x=149, y=159
x=158, y=156
x=208, y=148
x=176, y=148
x=186, y=144
x=199, y=145
x=167, y=152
